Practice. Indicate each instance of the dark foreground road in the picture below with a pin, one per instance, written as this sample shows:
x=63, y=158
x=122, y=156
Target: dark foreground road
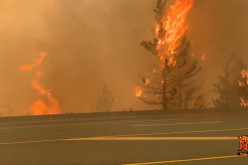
x=178, y=139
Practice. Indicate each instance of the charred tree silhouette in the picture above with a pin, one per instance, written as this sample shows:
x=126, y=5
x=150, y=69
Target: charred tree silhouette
x=228, y=88
x=104, y=102
x=172, y=84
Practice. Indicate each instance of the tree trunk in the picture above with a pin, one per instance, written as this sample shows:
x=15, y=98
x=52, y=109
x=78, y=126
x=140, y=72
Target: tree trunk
x=179, y=89
x=165, y=106
x=164, y=91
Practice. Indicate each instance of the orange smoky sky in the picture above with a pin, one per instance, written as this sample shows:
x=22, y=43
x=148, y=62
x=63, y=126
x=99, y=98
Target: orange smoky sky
x=96, y=43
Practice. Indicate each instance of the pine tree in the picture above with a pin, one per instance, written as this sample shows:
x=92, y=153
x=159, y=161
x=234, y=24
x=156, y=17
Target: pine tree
x=243, y=84
x=176, y=88
x=228, y=88
x=105, y=101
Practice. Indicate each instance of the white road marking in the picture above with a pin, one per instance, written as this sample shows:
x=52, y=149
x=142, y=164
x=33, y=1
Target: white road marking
x=184, y=132
x=31, y=141
x=184, y=160
x=152, y=125
x=125, y=139
x=151, y=138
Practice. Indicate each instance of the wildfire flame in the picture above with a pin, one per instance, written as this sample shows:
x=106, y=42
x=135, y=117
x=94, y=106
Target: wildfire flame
x=147, y=81
x=243, y=102
x=138, y=91
x=40, y=107
x=244, y=74
x=26, y=68
x=174, y=26
x=154, y=71
x=203, y=56
x=241, y=83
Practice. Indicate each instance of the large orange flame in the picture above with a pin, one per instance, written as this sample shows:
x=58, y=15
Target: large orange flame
x=40, y=107
x=174, y=25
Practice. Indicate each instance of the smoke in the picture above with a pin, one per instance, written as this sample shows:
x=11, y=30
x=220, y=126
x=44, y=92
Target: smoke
x=96, y=46
x=23, y=34
x=219, y=28
x=92, y=43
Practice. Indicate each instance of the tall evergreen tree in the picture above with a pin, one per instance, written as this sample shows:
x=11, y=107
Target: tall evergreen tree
x=243, y=83
x=228, y=88
x=172, y=83
x=105, y=101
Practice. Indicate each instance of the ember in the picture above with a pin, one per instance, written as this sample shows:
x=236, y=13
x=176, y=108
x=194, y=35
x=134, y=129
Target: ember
x=138, y=92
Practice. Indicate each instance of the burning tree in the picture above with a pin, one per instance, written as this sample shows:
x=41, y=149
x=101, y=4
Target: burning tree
x=232, y=87
x=175, y=89
x=105, y=101
x=243, y=83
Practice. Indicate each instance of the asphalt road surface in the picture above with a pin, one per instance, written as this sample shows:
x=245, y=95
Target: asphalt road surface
x=179, y=139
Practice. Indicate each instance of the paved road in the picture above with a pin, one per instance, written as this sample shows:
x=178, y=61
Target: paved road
x=182, y=140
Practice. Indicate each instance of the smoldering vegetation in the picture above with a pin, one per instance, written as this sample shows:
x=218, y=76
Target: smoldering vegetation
x=95, y=43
